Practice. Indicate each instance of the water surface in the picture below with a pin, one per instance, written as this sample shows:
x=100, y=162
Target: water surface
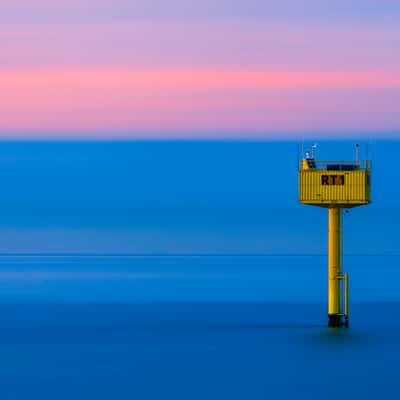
x=193, y=327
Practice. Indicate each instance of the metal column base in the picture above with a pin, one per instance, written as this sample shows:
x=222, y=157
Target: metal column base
x=336, y=320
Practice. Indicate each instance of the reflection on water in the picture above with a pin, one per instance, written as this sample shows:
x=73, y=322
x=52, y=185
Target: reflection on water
x=105, y=279
x=191, y=327
x=180, y=351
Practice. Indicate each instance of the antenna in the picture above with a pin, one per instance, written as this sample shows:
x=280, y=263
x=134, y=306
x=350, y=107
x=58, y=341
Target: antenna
x=313, y=148
x=357, y=146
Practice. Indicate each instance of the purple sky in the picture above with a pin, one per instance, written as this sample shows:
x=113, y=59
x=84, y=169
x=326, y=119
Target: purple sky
x=87, y=68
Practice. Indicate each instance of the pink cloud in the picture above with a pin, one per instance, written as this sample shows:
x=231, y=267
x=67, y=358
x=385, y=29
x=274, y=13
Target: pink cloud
x=199, y=78
x=153, y=103
x=199, y=44
x=122, y=78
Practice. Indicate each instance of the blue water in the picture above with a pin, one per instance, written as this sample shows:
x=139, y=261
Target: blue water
x=194, y=327
x=187, y=270
x=182, y=197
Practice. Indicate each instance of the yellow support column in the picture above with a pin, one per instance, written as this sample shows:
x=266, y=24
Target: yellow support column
x=335, y=185
x=334, y=267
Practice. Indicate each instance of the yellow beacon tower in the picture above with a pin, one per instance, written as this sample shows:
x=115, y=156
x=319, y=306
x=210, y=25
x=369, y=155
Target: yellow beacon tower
x=335, y=185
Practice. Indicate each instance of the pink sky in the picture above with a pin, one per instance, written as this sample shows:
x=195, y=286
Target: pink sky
x=153, y=75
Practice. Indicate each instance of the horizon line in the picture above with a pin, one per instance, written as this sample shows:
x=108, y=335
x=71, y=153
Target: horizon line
x=206, y=137
x=155, y=255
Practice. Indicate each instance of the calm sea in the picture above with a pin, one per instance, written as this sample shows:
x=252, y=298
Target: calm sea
x=194, y=327
x=145, y=270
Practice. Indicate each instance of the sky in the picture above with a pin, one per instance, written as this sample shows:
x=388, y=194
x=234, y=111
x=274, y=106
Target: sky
x=211, y=69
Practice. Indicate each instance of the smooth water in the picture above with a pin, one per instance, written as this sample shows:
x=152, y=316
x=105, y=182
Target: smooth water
x=93, y=319
x=194, y=328
x=182, y=197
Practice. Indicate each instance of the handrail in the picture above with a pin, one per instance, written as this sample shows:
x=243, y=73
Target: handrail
x=323, y=164
x=346, y=295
